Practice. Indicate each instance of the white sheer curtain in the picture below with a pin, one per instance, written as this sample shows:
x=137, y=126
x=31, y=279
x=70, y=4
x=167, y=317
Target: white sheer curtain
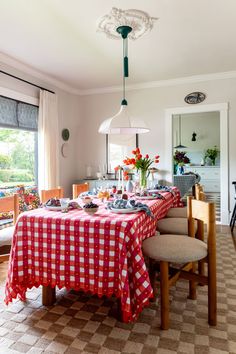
x=48, y=148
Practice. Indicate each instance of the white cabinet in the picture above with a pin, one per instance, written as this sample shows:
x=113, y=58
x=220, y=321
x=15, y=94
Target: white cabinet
x=210, y=176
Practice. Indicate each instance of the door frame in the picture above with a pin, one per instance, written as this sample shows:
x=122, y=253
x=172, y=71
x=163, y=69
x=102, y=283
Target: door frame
x=222, y=108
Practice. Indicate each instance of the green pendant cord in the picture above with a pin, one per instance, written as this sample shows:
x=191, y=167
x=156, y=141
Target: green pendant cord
x=125, y=68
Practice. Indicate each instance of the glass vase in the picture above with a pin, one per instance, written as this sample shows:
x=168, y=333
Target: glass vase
x=143, y=175
x=180, y=169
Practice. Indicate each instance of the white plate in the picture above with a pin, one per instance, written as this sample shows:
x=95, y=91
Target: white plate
x=148, y=197
x=53, y=208
x=125, y=211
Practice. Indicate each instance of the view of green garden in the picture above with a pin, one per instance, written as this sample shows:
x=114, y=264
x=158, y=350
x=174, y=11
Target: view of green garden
x=17, y=157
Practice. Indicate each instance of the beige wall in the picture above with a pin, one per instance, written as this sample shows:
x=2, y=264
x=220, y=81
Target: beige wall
x=150, y=105
x=69, y=117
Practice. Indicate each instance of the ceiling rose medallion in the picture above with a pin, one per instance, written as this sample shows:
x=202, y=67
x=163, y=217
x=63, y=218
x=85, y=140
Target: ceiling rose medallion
x=138, y=20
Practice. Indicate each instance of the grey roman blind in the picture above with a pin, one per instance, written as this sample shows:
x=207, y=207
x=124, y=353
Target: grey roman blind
x=15, y=114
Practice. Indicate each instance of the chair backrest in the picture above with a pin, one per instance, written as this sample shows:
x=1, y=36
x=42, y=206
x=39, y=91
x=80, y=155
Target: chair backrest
x=79, y=188
x=198, y=190
x=204, y=212
x=51, y=193
x=10, y=204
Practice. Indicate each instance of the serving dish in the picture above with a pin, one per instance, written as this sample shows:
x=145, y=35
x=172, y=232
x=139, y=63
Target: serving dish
x=147, y=197
x=53, y=208
x=125, y=211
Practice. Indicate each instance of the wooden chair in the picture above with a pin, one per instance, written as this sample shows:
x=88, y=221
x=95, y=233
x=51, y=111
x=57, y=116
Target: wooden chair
x=8, y=204
x=184, y=250
x=176, y=221
x=182, y=212
x=51, y=193
x=233, y=217
x=77, y=189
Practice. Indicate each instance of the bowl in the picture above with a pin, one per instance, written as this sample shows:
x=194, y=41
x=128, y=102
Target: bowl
x=91, y=210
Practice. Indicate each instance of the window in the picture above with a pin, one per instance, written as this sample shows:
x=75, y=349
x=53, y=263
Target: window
x=118, y=148
x=18, y=157
x=18, y=143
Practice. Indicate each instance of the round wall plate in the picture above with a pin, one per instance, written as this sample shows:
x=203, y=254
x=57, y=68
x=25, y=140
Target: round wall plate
x=195, y=97
x=65, y=134
x=65, y=150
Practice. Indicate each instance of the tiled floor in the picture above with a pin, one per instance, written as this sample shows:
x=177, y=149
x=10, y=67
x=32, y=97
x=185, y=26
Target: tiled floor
x=79, y=323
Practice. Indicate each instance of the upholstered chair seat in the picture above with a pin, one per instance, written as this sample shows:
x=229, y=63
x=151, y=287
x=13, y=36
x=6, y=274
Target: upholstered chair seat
x=174, y=248
x=6, y=236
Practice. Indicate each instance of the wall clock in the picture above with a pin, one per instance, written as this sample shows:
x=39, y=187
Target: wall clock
x=65, y=134
x=195, y=97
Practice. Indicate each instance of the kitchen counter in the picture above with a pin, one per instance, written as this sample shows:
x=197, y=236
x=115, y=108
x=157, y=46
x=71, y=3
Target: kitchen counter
x=210, y=176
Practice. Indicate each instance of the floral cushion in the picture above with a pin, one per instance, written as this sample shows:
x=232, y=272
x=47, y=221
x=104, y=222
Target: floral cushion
x=4, y=216
x=28, y=198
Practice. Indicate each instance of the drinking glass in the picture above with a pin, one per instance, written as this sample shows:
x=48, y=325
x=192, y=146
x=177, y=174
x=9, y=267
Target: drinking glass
x=64, y=202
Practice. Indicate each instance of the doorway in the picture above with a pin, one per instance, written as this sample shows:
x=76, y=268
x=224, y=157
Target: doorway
x=174, y=139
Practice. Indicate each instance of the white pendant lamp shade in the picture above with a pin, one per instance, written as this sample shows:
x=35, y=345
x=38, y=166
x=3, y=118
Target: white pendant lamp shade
x=122, y=123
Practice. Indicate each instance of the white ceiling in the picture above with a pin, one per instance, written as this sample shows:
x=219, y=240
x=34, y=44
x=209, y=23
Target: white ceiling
x=59, y=39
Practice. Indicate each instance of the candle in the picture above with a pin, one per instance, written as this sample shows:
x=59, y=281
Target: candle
x=122, y=180
x=119, y=178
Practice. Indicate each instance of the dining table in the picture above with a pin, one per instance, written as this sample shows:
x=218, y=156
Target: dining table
x=100, y=254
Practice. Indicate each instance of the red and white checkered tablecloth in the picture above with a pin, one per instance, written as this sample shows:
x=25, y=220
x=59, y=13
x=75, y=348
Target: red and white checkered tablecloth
x=100, y=253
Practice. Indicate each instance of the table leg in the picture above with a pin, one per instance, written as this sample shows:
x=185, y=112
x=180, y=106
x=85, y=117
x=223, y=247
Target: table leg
x=48, y=295
x=119, y=311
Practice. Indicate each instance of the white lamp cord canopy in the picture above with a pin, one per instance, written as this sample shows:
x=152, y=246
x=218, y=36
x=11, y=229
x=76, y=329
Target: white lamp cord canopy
x=121, y=123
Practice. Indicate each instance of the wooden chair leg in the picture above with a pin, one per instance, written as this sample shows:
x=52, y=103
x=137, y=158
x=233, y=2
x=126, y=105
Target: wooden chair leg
x=233, y=216
x=192, y=284
x=201, y=268
x=212, y=293
x=48, y=296
x=4, y=258
x=233, y=222
x=164, y=284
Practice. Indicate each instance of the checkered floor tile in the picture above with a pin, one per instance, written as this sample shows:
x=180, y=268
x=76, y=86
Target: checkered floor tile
x=79, y=323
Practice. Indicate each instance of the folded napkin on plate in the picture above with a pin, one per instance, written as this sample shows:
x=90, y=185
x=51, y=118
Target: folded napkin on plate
x=157, y=195
x=164, y=189
x=129, y=204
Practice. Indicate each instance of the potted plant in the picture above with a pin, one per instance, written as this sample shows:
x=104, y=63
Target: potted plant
x=180, y=159
x=212, y=154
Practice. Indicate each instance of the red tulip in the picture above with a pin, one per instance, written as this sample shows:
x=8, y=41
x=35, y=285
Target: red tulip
x=147, y=156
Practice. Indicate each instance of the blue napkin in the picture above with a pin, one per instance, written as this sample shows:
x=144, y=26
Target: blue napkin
x=164, y=189
x=129, y=204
